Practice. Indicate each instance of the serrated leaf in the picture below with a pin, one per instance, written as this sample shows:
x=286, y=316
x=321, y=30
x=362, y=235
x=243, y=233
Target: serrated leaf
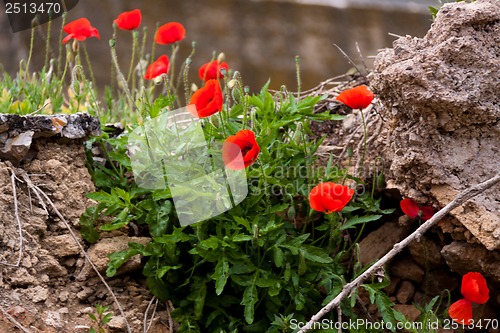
x=315, y=254
x=352, y=222
x=250, y=298
x=221, y=274
x=278, y=256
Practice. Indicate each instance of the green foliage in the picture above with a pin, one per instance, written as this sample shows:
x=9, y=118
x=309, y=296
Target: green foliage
x=100, y=318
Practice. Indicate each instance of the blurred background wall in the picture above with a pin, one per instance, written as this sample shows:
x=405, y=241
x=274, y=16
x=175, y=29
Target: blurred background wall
x=260, y=38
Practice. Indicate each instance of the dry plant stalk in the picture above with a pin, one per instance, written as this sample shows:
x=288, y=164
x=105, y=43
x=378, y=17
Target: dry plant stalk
x=346, y=291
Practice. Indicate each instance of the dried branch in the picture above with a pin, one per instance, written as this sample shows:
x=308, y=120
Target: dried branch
x=458, y=201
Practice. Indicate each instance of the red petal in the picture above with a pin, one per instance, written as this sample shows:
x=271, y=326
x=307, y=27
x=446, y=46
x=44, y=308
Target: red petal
x=208, y=99
x=129, y=20
x=426, y=213
x=356, y=98
x=316, y=199
x=330, y=197
x=461, y=312
x=409, y=207
x=240, y=150
x=170, y=33
x=157, y=68
x=80, y=30
x=474, y=288
x=212, y=70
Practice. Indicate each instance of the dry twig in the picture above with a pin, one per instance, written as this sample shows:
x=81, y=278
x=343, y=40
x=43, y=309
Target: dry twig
x=346, y=291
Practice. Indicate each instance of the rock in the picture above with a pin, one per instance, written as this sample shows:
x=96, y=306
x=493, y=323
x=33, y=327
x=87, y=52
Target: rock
x=379, y=242
x=426, y=253
x=37, y=294
x=53, y=319
x=443, y=90
x=61, y=245
x=462, y=258
x=391, y=289
x=409, y=311
x=16, y=148
x=407, y=269
x=117, y=323
x=99, y=252
x=49, y=265
x=405, y=292
x=436, y=282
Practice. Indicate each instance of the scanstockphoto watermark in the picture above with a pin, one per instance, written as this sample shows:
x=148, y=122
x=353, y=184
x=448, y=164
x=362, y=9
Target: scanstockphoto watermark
x=380, y=326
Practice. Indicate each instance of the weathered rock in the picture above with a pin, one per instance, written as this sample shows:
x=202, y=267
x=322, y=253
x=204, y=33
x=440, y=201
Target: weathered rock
x=426, y=253
x=99, y=252
x=19, y=131
x=61, y=245
x=463, y=258
x=441, y=111
x=405, y=292
x=379, y=242
x=407, y=269
x=409, y=311
x=436, y=282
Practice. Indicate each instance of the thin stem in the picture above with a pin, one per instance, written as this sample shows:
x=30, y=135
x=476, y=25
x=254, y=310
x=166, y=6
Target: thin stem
x=89, y=64
x=121, y=78
x=47, y=43
x=32, y=40
x=59, y=57
x=135, y=38
x=364, y=138
x=297, y=68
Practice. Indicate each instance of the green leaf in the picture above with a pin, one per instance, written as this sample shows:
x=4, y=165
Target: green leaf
x=385, y=307
x=87, y=219
x=315, y=254
x=158, y=220
x=118, y=258
x=158, y=288
x=107, y=318
x=103, y=197
x=352, y=222
x=278, y=256
x=221, y=274
x=250, y=298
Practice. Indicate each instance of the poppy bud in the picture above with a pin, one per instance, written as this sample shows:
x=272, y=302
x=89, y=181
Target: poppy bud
x=236, y=95
x=231, y=84
x=74, y=45
x=221, y=57
x=194, y=87
x=158, y=79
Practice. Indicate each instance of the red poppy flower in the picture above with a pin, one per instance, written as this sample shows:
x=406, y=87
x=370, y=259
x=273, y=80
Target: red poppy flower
x=461, y=312
x=330, y=197
x=426, y=212
x=356, y=98
x=157, y=68
x=129, y=20
x=240, y=150
x=170, y=33
x=212, y=70
x=208, y=99
x=409, y=207
x=80, y=30
x=474, y=288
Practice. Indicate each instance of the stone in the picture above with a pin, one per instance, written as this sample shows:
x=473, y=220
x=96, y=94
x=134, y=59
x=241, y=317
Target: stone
x=53, y=319
x=443, y=89
x=37, y=294
x=407, y=269
x=426, y=253
x=409, y=311
x=117, y=323
x=377, y=243
x=99, y=252
x=16, y=148
x=61, y=245
x=437, y=281
x=462, y=258
x=405, y=292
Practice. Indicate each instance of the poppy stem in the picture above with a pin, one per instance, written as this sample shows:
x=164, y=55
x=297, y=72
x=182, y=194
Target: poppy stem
x=89, y=64
x=297, y=69
x=59, y=57
x=135, y=38
x=119, y=74
x=364, y=138
x=47, y=42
